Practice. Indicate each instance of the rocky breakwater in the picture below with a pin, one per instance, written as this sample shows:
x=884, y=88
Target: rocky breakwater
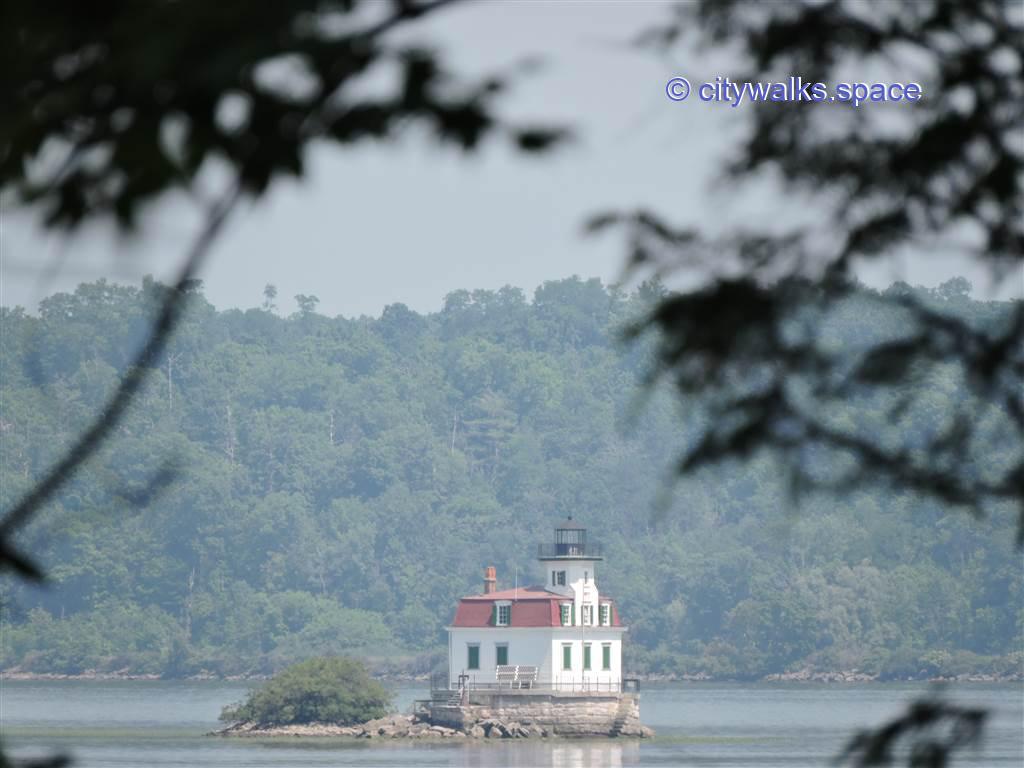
x=408, y=727
x=496, y=729
x=389, y=727
x=544, y=714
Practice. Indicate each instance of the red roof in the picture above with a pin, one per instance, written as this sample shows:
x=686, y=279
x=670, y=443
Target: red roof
x=531, y=607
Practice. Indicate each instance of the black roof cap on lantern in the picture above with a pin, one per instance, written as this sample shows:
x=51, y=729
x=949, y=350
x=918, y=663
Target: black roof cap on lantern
x=569, y=525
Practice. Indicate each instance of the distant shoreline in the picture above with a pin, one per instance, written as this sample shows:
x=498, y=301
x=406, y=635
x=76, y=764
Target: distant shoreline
x=782, y=677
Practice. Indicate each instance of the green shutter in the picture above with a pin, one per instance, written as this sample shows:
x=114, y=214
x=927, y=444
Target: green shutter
x=502, y=655
x=494, y=615
x=473, y=662
x=566, y=657
x=606, y=657
x=586, y=655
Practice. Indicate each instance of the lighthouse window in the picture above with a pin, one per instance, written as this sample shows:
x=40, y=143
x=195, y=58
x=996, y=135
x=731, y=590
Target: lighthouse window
x=501, y=654
x=504, y=615
x=606, y=615
x=606, y=656
x=586, y=655
x=559, y=578
x=567, y=656
x=588, y=615
x=566, y=614
x=473, y=657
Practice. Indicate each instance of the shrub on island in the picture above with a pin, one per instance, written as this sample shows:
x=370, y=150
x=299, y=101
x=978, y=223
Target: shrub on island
x=335, y=690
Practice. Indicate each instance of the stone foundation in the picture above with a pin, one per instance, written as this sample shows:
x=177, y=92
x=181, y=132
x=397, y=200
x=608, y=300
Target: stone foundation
x=543, y=714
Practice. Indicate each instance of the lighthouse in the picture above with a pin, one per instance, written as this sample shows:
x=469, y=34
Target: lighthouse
x=561, y=634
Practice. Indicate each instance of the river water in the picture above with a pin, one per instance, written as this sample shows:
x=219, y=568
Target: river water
x=156, y=724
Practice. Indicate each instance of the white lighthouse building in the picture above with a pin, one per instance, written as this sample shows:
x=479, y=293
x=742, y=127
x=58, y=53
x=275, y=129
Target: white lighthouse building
x=562, y=635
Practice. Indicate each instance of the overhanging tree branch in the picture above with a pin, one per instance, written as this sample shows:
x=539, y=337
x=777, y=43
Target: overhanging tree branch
x=114, y=410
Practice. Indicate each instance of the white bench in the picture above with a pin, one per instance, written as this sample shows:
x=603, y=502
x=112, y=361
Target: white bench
x=516, y=675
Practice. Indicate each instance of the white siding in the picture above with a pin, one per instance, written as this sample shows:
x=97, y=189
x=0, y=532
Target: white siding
x=540, y=647
x=578, y=677
x=526, y=645
x=580, y=577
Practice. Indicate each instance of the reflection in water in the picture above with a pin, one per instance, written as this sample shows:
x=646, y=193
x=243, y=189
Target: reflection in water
x=557, y=754
x=160, y=724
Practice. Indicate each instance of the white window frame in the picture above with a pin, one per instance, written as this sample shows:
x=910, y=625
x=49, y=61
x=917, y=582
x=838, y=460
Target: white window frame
x=604, y=614
x=563, y=608
x=588, y=615
x=503, y=606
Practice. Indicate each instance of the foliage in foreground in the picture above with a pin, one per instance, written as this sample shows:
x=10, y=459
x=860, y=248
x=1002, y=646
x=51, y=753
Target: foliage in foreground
x=928, y=733
x=322, y=690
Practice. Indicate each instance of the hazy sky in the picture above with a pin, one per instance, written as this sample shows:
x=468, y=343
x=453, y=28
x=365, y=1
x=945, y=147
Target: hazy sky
x=410, y=222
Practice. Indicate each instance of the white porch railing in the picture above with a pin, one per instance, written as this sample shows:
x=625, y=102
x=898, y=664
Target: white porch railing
x=441, y=687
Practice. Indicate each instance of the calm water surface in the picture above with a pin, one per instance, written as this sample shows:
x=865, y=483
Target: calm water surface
x=137, y=724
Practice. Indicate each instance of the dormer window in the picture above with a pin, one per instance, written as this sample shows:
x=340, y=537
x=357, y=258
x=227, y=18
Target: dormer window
x=502, y=614
x=605, y=615
x=566, y=614
x=588, y=615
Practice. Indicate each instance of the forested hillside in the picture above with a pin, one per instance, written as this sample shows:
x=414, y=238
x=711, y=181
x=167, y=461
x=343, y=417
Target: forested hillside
x=292, y=486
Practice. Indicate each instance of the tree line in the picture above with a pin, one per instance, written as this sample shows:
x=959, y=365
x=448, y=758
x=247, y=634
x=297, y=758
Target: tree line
x=288, y=487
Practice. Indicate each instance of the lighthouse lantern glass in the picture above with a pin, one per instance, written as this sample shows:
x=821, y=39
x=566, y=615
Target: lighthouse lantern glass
x=570, y=541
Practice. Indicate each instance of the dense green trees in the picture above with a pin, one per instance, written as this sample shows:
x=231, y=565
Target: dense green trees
x=322, y=690
x=293, y=487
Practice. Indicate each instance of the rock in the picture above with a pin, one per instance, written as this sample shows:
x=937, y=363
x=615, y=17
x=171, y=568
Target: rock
x=516, y=731
x=392, y=721
x=495, y=729
x=630, y=729
x=477, y=732
x=645, y=732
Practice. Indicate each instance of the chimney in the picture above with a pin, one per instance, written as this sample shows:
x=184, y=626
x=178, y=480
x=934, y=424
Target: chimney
x=490, y=580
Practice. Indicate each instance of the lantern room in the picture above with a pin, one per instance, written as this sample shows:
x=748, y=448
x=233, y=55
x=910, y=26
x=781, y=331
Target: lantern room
x=570, y=543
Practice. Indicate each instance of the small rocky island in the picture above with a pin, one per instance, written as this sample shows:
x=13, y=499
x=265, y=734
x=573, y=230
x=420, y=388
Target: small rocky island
x=336, y=697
